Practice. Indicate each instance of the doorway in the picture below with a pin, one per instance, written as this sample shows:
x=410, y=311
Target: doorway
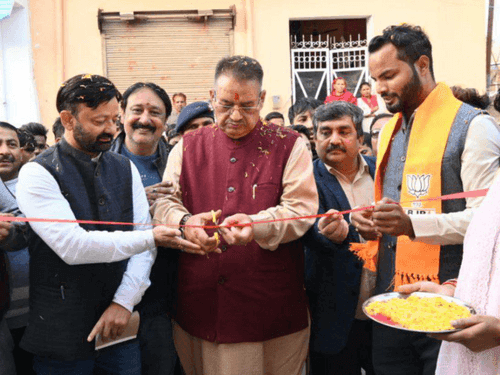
x=324, y=49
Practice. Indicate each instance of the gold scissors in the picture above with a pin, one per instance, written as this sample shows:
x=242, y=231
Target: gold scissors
x=217, y=233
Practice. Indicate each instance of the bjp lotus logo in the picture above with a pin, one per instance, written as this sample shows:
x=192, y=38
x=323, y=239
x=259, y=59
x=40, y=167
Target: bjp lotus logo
x=418, y=184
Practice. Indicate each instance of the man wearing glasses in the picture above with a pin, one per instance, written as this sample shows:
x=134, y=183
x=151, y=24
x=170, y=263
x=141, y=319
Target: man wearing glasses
x=39, y=133
x=28, y=145
x=241, y=305
x=376, y=126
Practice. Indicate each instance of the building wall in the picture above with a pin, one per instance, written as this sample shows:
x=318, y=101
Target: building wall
x=443, y=21
x=66, y=39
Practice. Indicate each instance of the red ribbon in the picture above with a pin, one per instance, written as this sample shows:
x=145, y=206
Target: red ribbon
x=466, y=194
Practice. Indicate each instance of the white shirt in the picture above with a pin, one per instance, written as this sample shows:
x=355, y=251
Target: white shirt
x=360, y=191
x=480, y=162
x=39, y=196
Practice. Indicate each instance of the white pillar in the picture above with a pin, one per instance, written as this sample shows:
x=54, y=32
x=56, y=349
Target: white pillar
x=17, y=82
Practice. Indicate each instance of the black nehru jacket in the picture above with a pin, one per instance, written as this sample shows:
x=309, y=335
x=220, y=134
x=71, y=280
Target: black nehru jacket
x=66, y=301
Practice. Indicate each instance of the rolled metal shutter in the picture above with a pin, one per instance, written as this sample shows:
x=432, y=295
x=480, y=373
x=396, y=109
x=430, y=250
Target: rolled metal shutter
x=178, y=52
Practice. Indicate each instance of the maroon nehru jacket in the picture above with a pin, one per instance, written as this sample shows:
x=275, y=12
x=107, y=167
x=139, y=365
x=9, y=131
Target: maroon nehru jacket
x=247, y=293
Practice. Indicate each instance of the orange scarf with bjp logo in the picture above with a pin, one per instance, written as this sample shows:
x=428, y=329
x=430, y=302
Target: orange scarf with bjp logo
x=416, y=261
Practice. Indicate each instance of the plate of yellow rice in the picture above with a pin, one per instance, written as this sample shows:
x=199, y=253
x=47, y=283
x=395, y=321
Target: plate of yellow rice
x=417, y=312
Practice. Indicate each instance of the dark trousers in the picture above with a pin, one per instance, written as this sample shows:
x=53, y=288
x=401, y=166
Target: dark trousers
x=120, y=359
x=158, y=355
x=397, y=352
x=22, y=358
x=350, y=360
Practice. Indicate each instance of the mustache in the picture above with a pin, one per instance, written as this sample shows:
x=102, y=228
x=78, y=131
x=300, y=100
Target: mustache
x=389, y=95
x=335, y=148
x=8, y=158
x=139, y=125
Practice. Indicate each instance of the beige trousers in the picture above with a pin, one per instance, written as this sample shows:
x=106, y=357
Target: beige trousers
x=284, y=355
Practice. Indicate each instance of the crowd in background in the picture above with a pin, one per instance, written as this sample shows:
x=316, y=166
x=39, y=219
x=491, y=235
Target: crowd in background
x=241, y=297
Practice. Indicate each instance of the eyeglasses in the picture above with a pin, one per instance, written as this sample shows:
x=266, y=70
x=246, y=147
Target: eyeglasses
x=229, y=109
x=29, y=147
x=41, y=147
x=375, y=133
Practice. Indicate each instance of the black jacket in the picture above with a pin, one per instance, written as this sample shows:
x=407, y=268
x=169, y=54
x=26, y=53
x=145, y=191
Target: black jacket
x=332, y=271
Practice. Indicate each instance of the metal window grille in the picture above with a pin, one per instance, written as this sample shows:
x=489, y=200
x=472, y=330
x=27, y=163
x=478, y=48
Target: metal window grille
x=316, y=63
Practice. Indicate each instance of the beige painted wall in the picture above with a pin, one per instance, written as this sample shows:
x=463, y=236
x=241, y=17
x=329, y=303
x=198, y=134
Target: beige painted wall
x=459, y=52
x=66, y=39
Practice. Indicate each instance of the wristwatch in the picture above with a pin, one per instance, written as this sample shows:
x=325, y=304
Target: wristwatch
x=183, y=222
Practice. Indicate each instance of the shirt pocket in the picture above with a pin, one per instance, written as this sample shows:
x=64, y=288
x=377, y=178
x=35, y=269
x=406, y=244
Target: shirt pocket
x=264, y=196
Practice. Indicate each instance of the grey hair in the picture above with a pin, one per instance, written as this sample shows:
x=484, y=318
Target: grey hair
x=337, y=110
x=241, y=67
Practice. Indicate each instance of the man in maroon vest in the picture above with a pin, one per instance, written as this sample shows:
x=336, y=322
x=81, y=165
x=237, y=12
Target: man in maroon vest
x=241, y=306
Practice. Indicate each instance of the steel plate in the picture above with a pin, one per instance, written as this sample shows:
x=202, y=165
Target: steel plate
x=379, y=318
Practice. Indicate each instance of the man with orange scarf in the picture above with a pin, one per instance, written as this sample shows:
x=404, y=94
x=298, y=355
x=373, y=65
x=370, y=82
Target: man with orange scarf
x=434, y=145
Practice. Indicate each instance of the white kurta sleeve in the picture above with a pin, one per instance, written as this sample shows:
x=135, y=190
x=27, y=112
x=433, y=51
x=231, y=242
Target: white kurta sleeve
x=480, y=162
x=39, y=196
